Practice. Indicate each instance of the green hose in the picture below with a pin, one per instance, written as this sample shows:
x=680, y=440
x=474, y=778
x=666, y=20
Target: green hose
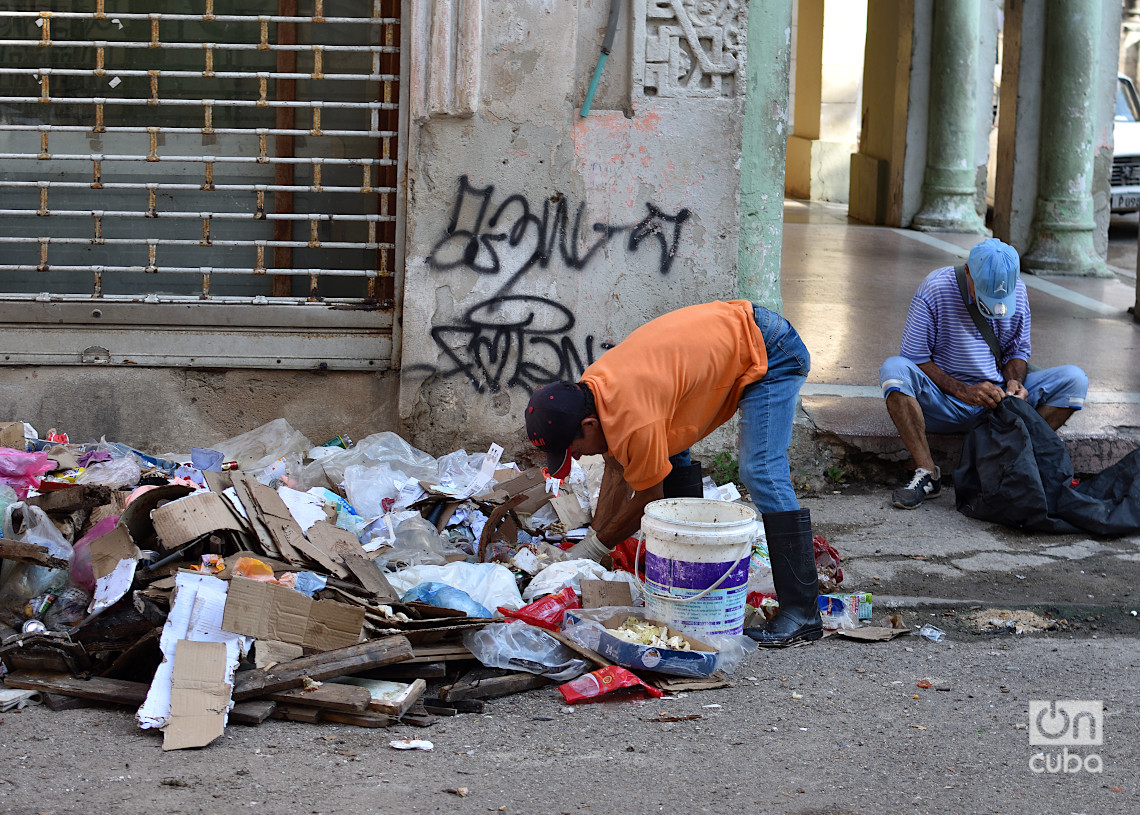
x=607, y=44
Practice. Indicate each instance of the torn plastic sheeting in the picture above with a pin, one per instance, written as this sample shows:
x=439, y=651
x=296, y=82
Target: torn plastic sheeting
x=195, y=614
x=488, y=584
x=558, y=576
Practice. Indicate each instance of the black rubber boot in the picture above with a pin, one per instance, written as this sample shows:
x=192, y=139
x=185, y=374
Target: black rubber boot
x=794, y=575
x=684, y=482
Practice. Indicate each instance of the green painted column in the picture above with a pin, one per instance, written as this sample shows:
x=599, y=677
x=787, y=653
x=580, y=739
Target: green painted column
x=1061, y=239
x=949, y=187
x=763, y=152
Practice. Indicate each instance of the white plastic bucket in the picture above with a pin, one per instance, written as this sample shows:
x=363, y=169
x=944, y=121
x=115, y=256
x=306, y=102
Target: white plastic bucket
x=696, y=563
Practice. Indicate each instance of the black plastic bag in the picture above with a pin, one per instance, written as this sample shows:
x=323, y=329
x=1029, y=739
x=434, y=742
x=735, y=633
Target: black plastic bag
x=1015, y=471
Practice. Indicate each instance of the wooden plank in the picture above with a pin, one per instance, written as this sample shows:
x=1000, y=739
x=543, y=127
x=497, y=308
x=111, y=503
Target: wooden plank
x=440, y=653
x=490, y=683
x=252, y=712
x=339, y=662
x=69, y=499
x=399, y=705
x=101, y=689
x=458, y=705
x=358, y=719
x=328, y=696
x=407, y=671
x=30, y=553
x=297, y=713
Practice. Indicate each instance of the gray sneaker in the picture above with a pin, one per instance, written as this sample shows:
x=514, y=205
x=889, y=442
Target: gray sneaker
x=922, y=485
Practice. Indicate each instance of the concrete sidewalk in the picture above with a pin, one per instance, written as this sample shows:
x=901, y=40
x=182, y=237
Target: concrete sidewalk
x=846, y=288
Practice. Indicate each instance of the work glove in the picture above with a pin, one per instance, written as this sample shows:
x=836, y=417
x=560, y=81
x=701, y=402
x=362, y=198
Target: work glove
x=589, y=548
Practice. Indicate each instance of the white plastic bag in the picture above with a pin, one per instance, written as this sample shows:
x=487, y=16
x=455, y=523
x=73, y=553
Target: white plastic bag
x=380, y=448
x=488, y=584
x=23, y=581
x=521, y=647
x=557, y=576
x=262, y=446
x=116, y=473
x=372, y=491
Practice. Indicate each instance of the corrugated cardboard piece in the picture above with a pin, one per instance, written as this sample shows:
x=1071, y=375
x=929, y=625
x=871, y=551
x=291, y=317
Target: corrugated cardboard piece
x=267, y=611
x=195, y=614
x=190, y=518
x=114, y=559
x=199, y=695
x=12, y=435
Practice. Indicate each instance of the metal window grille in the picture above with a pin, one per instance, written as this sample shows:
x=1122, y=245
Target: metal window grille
x=238, y=160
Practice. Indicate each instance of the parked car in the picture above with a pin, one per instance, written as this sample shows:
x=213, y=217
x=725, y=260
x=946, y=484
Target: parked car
x=1125, y=183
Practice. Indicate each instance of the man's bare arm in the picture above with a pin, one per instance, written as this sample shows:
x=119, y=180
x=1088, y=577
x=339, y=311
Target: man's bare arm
x=619, y=507
x=984, y=394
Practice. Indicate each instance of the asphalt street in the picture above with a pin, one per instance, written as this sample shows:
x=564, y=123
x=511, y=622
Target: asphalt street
x=837, y=727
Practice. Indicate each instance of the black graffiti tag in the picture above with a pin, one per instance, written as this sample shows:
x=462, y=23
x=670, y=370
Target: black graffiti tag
x=514, y=341
x=476, y=234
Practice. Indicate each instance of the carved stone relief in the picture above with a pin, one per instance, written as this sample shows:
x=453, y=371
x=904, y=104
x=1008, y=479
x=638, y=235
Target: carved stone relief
x=693, y=48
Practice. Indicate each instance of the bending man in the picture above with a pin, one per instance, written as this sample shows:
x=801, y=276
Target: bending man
x=668, y=385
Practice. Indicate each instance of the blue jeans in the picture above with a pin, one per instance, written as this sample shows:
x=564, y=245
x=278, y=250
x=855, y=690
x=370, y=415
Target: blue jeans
x=767, y=410
x=1064, y=386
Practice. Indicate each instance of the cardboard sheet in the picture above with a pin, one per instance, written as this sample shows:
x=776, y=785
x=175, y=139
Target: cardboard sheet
x=192, y=517
x=266, y=611
x=199, y=696
x=114, y=559
x=195, y=614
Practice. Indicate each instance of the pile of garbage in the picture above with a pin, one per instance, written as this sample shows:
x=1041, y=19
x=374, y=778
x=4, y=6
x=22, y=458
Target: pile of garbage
x=362, y=584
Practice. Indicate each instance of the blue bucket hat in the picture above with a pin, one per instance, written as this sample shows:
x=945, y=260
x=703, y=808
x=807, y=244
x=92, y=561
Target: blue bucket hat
x=994, y=268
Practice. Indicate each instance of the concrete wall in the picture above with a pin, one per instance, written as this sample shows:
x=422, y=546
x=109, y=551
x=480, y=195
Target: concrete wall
x=167, y=410
x=535, y=238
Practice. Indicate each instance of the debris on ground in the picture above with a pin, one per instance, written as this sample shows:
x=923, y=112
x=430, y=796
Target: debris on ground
x=363, y=584
x=989, y=620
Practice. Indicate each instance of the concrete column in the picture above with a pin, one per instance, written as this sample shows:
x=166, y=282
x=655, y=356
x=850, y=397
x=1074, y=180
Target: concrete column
x=1062, y=240
x=949, y=187
x=763, y=151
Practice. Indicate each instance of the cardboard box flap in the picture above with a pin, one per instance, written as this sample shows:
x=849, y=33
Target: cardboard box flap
x=189, y=518
x=136, y=515
x=272, y=612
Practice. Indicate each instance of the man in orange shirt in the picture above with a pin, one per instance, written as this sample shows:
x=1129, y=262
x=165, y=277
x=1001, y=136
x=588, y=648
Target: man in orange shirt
x=669, y=384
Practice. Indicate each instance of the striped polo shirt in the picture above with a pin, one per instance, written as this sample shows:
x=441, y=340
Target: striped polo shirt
x=939, y=329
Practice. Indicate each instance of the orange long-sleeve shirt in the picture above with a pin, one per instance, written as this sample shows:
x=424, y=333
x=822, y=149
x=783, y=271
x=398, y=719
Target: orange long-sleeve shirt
x=672, y=382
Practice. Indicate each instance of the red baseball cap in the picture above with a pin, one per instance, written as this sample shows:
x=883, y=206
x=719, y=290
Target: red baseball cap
x=553, y=419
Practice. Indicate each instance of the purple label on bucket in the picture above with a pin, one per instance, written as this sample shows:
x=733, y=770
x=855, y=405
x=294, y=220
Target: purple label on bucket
x=685, y=574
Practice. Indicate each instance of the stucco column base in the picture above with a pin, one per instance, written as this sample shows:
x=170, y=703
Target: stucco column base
x=948, y=203
x=950, y=213
x=1063, y=240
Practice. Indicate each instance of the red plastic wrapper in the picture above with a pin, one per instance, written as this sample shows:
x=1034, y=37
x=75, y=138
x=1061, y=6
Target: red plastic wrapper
x=827, y=560
x=602, y=681
x=545, y=613
x=623, y=555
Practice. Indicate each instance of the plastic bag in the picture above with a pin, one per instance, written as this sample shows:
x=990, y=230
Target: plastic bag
x=488, y=584
x=116, y=473
x=518, y=646
x=262, y=446
x=81, y=573
x=445, y=596
x=760, y=567
x=731, y=649
x=417, y=543
x=603, y=681
x=569, y=573
x=23, y=581
x=373, y=491
x=19, y=470
x=838, y=613
x=827, y=562
x=547, y=612
x=380, y=448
